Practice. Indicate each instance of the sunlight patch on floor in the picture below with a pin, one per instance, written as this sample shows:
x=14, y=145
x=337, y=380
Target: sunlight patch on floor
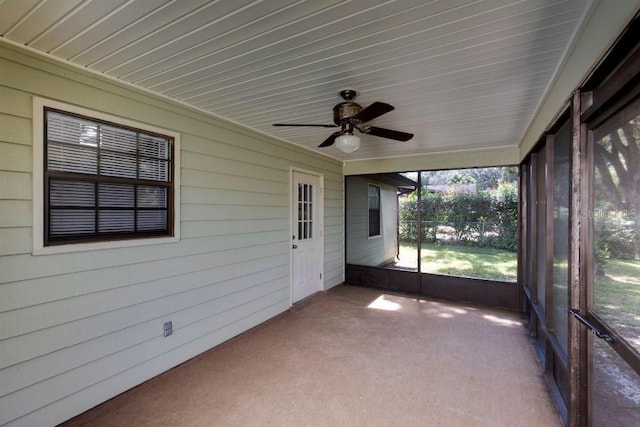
x=444, y=310
x=403, y=304
x=382, y=303
x=445, y=315
x=501, y=320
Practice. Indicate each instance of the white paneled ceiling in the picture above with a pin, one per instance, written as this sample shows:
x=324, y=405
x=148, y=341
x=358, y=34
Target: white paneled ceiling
x=462, y=74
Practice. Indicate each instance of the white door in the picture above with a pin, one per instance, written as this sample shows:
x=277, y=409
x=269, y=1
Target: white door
x=307, y=240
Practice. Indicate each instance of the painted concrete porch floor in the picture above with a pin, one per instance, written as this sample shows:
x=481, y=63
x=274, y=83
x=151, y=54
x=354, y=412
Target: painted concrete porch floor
x=352, y=357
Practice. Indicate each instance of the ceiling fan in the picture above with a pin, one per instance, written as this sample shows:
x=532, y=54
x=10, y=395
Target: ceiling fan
x=349, y=115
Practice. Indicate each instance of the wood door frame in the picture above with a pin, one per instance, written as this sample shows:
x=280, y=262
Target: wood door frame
x=320, y=216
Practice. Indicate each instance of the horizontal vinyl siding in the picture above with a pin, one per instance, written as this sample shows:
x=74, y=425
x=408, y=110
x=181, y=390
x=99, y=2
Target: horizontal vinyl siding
x=333, y=230
x=79, y=328
x=389, y=221
x=16, y=126
x=15, y=185
x=15, y=157
x=15, y=174
x=361, y=249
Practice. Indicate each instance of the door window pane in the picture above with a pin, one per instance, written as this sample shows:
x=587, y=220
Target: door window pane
x=305, y=209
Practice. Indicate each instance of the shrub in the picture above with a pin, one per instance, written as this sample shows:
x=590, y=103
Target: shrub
x=616, y=237
x=505, y=209
x=485, y=218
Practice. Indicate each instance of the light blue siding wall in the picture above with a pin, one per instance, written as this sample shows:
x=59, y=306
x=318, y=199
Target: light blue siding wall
x=79, y=328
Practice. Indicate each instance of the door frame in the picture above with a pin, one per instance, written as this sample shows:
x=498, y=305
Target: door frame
x=320, y=209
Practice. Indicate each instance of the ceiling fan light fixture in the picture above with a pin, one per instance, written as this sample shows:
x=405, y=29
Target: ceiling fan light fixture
x=347, y=143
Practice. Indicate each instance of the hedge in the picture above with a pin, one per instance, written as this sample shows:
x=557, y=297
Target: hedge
x=484, y=219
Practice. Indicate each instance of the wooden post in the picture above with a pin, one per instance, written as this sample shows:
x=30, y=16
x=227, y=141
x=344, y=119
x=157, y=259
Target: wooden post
x=577, y=289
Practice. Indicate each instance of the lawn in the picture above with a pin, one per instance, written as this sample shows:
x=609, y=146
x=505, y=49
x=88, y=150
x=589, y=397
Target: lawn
x=486, y=263
x=617, y=298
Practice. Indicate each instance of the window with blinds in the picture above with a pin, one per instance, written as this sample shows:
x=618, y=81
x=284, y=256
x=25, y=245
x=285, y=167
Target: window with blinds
x=104, y=181
x=374, y=210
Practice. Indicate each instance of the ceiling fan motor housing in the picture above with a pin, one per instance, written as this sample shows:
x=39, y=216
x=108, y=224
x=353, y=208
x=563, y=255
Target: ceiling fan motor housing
x=344, y=111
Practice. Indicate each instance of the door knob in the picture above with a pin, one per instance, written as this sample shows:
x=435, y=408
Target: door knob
x=294, y=246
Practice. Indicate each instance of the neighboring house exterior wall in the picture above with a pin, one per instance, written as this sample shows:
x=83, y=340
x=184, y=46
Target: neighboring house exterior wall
x=362, y=249
x=79, y=328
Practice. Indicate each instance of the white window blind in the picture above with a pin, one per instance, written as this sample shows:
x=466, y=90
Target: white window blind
x=104, y=181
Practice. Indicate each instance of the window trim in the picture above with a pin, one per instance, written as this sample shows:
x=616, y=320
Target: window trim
x=39, y=105
x=369, y=235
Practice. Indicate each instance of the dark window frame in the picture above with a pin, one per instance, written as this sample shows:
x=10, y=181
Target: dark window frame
x=50, y=176
x=537, y=235
x=614, y=84
x=375, y=215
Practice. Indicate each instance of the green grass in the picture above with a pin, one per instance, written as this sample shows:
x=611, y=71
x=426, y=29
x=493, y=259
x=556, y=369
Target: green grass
x=485, y=263
x=617, y=298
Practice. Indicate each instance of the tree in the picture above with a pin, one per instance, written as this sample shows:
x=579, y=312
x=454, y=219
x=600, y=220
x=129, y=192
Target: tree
x=616, y=155
x=617, y=162
x=462, y=178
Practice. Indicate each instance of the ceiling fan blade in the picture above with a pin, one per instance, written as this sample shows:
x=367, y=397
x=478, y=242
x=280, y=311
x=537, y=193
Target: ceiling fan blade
x=308, y=125
x=372, y=111
x=388, y=133
x=329, y=141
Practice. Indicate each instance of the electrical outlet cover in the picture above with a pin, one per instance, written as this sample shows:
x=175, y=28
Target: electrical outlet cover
x=168, y=328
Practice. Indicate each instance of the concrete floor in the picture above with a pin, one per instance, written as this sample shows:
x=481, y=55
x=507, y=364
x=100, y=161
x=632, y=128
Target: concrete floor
x=352, y=357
